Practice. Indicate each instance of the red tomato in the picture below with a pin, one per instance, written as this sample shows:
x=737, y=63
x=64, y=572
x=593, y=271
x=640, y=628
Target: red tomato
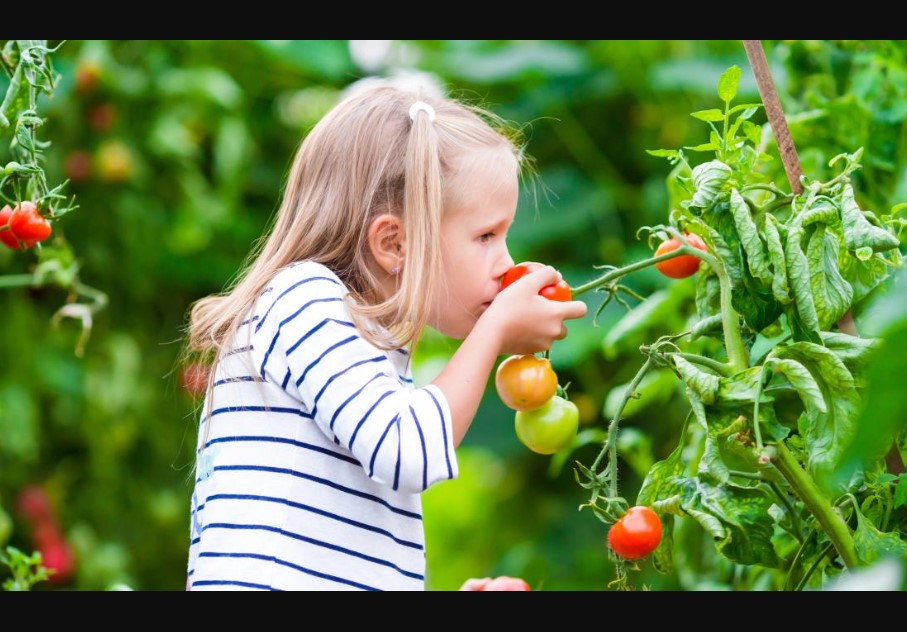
x=683, y=266
x=77, y=165
x=194, y=378
x=525, y=382
x=636, y=534
x=559, y=291
x=26, y=226
x=34, y=505
x=56, y=554
x=6, y=236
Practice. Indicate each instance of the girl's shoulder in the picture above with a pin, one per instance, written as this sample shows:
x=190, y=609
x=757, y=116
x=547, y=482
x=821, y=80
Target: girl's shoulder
x=301, y=273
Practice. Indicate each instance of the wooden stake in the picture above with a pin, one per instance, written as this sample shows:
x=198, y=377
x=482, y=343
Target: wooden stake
x=759, y=64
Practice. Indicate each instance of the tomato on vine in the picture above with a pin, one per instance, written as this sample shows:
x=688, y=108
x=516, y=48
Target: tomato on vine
x=559, y=291
x=683, y=266
x=636, y=534
x=549, y=428
x=25, y=226
x=525, y=382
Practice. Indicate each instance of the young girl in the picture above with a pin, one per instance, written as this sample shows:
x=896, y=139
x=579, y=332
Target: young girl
x=314, y=446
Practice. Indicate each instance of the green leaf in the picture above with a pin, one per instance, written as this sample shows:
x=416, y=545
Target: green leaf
x=703, y=147
x=655, y=389
x=660, y=483
x=780, y=289
x=708, y=293
x=900, y=492
x=749, y=238
x=708, y=115
x=798, y=276
x=727, y=84
x=708, y=179
x=662, y=309
x=872, y=544
x=704, y=384
x=752, y=132
x=827, y=434
x=712, y=463
x=858, y=231
x=831, y=293
x=804, y=383
x=736, y=517
x=853, y=351
x=663, y=153
x=863, y=276
x=745, y=106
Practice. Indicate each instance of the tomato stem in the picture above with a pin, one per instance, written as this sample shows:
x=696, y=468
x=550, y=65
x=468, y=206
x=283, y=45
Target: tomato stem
x=610, y=445
x=802, y=485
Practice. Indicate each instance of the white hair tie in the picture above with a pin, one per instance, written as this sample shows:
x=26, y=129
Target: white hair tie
x=423, y=106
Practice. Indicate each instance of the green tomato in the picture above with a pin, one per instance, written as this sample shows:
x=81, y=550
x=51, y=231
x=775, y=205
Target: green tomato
x=549, y=428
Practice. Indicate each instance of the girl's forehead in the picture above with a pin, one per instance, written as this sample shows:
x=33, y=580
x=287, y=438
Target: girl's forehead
x=480, y=175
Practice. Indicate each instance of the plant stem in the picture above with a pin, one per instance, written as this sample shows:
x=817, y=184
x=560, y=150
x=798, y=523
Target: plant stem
x=610, y=446
x=733, y=341
x=812, y=568
x=719, y=367
x=802, y=485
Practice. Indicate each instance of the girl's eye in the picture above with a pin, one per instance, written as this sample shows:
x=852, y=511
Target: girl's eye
x=486, y=237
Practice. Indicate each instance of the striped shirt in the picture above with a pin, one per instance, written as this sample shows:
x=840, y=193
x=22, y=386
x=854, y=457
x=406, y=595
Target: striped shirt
x=317, y=447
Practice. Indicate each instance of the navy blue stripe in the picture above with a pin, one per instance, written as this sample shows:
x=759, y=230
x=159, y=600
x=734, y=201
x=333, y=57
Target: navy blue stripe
x=241, y=378
x=322, y=481
x=397, y=471
x=320, y=512
x=286, y=380
x=287, y=291
x=254, y=318
x=284, y=322
x=229, y=582
x=316, y=328
x=262, y=409
x=371, y=464
x=239, y=350
x=424, y=450
x=302, y=569
x=352, y=397
x=338, y=374
x=293, y=442
x=321, y=357
x=302, y=538
x=365, y=416
x=443, y=434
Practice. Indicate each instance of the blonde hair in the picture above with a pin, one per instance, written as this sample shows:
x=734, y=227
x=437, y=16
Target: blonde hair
x=366, y=157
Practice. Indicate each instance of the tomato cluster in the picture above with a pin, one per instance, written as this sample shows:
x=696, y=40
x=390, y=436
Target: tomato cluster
x=545, y=422
x=23, y=226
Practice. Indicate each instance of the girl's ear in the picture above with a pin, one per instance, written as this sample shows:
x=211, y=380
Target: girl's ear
x=386, y=242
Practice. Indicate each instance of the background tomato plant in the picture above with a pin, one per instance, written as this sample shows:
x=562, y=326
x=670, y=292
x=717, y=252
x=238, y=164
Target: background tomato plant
x=183, y=175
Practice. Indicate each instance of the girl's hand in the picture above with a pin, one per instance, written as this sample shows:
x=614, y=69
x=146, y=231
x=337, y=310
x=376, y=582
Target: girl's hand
x=522, y=321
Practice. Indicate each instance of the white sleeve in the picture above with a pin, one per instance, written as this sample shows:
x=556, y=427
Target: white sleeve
x=401, y=436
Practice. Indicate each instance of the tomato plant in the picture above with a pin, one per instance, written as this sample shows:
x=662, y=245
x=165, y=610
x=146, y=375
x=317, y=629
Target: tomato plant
x=559, y=291
x=25, y=226
x=549, y=428
x=682, y=266
x=525, y=382
x=775, y=386
x=636, y=534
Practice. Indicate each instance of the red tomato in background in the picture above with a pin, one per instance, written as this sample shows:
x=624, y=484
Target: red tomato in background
x=559, y=291
x=194, y=378
x=77, y=165
x=33, y=504
x=56, y=554
x=683, y=266
x=525, y=382
x=636, y=534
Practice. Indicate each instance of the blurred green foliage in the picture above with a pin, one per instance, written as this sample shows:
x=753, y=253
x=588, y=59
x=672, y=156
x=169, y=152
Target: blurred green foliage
x=177, y=152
